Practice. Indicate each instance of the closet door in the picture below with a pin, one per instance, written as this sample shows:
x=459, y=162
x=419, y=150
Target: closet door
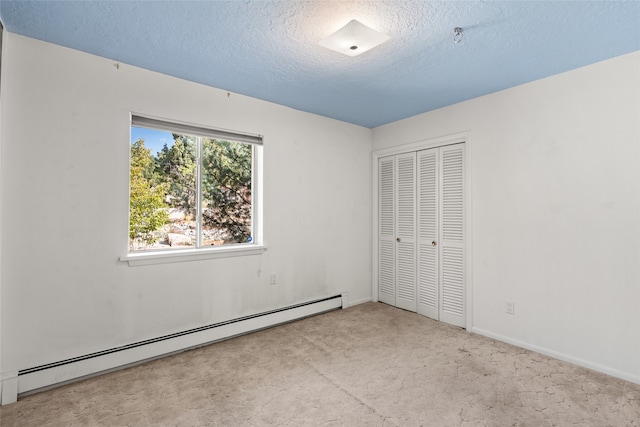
x=406, y=232
x=421, y=232
x=386, y=230
x=440, y=245
x=397, y=231
x=428, y=214
x=451, y=243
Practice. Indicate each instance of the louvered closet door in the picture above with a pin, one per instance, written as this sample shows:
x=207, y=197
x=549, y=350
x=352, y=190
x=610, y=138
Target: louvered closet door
x=406, y=231
x=451, y=243
x=428, y=216
x=386, y=227
x=421, y=232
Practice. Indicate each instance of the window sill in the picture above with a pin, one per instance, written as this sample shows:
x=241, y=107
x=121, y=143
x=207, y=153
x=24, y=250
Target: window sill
x=185, y=255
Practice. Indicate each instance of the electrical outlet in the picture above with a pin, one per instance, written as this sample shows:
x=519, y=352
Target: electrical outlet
x=273, y=279
x=509, y=307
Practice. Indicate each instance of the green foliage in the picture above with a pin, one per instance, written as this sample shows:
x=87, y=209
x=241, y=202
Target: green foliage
x=169, y=180
x=177, y=168
x=226, y=187
x=146, y=201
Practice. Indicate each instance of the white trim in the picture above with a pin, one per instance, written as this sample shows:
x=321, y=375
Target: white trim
x=3, y=39
x=375, y=244
x=468, y=223
x=423, y=144
x=560, y=356
x=346, y=303
x=58, y=375
x=461, y=137
x=182, y=255
x=198, y=191
x=8, y=387
x=358, y=302
x=257, y=194
x=345, y=297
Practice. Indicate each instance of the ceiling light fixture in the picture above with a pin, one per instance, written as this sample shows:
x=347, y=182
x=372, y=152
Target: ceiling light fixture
x=354, y=39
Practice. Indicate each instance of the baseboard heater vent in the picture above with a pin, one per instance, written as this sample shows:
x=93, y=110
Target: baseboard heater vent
x=57, y=373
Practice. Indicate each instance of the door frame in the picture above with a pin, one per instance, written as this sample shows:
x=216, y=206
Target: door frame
x=463, y=137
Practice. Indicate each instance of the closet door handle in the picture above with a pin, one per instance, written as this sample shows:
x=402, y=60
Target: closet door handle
x=433, y=243
x=398, y=239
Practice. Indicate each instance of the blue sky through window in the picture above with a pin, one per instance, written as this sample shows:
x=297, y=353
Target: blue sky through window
x=153, y=139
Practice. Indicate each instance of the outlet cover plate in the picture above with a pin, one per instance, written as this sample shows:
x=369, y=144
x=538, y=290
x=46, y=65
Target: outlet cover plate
x=509, y=307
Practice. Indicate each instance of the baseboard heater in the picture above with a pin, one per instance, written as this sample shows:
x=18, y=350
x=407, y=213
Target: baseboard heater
x=58, y=373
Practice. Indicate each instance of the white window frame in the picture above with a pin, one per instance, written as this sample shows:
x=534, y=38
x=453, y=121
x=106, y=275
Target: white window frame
x=256, y=247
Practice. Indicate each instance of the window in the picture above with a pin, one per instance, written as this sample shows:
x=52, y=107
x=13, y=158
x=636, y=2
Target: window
x=191, y=187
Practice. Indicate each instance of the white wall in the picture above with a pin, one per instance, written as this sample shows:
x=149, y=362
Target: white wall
x=65, y=142
x=556, y=211
x=1, y=85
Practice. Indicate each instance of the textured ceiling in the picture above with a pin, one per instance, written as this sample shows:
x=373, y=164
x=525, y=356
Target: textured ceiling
x=268, y=49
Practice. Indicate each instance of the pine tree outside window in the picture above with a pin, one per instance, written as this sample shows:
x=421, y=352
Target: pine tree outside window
x=196, y=191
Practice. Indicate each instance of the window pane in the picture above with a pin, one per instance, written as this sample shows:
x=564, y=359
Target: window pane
x=162, y=190
x=189, y=190
x=226, y=192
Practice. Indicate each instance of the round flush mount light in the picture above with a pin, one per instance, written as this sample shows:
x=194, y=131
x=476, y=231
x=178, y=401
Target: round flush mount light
x=354, y=39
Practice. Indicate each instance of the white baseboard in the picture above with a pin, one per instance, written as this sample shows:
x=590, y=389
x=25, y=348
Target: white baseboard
x=357, y=302
x=561, y=356
x=47, y=376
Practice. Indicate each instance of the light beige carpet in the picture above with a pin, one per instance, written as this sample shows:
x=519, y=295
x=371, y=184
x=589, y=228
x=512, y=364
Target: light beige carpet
x=369, y=365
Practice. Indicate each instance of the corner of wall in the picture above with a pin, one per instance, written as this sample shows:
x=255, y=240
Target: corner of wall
x=2, y=387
